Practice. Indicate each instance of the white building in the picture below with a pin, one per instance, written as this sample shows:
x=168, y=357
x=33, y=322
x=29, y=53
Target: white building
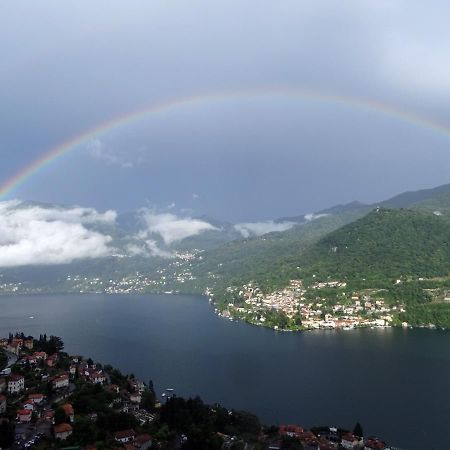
x=61, y=382
x=16, y=384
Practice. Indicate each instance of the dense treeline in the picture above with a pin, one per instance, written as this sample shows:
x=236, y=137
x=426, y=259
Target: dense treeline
x=200, y=423
x=385, y=244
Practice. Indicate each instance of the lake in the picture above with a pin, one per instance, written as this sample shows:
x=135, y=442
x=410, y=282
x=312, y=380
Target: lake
x=395, y=382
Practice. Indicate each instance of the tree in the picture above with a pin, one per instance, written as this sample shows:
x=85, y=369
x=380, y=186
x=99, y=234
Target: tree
x=60, y=416
x=148, y=400
x=358, y=430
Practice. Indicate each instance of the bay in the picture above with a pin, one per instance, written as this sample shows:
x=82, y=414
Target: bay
x=395, y=382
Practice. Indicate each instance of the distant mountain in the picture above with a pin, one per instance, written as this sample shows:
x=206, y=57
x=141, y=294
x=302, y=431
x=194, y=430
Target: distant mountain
x=409, y=199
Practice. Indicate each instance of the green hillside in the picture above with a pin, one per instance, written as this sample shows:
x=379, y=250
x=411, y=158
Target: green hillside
x=386, y=243
x=265, y=259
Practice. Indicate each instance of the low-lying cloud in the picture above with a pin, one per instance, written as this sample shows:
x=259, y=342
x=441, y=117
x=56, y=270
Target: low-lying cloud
x=311, y=216
x=172, y=228
x=34, y=235
x=259, y=228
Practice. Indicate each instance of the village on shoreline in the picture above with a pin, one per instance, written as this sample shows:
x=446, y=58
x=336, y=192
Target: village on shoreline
x=295, y=309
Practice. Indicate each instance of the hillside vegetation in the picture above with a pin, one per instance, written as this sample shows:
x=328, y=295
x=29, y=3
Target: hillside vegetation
x=384, y=244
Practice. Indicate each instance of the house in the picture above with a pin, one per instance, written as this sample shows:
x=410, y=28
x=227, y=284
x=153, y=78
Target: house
x=350, y=441
x=2, y=404
x=51, y=360
x=49, y=415
x=73, y=370
x=374, y=444
x=37, y=399
x=97, y=377
x=68, y=409
x=125, y=436
x=28, y=343
x=31, y=360
x=14, y=347
x=137, y=386
x=290, y=430
x=143, y=441
x=24, y=415
x=40, y=356
x=62, y=381
x=16, y=384
x=6, y=371
x=29, y=405
x=135, y=398
x=62, y=431
x=326, y=445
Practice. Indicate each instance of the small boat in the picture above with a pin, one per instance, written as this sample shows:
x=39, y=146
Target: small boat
x=169, y=390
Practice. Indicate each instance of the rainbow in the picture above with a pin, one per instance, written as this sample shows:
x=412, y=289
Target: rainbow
x=75, y=142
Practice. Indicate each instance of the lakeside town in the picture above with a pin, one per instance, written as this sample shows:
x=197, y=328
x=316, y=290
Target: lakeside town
x=52, y=400
x=168, y=278
x=307, y=308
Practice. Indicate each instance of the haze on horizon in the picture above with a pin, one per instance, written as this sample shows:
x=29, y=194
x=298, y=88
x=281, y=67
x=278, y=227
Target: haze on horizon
x=67, y=67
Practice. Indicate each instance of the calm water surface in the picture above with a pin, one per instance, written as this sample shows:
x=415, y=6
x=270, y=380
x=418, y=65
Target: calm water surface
x=395, y=382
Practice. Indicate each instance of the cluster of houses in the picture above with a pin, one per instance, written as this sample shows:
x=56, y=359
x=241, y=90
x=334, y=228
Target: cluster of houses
x=344, y=312
x=32, y=401
x=328, y=439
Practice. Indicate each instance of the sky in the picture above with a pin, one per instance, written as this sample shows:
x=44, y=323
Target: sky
x=253, y=156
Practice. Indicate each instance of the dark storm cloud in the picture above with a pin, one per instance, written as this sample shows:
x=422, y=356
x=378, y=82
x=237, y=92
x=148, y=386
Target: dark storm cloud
x=67, y=66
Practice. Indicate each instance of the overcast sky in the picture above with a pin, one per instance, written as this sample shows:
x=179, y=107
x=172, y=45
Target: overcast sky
x=68, y=66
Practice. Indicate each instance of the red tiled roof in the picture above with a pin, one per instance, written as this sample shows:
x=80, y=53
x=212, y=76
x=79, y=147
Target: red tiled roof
x=15, y=377
x=35, y=396
x=68, y=409
x=125, y=434
x=62, y=428
x=62, y=377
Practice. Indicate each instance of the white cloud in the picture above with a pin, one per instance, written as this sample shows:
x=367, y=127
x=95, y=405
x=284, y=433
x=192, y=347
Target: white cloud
x=311, y=216
x=34, y=235
x=150, y=248
x=98, y=150
x=172, y=228
x=259, y=228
